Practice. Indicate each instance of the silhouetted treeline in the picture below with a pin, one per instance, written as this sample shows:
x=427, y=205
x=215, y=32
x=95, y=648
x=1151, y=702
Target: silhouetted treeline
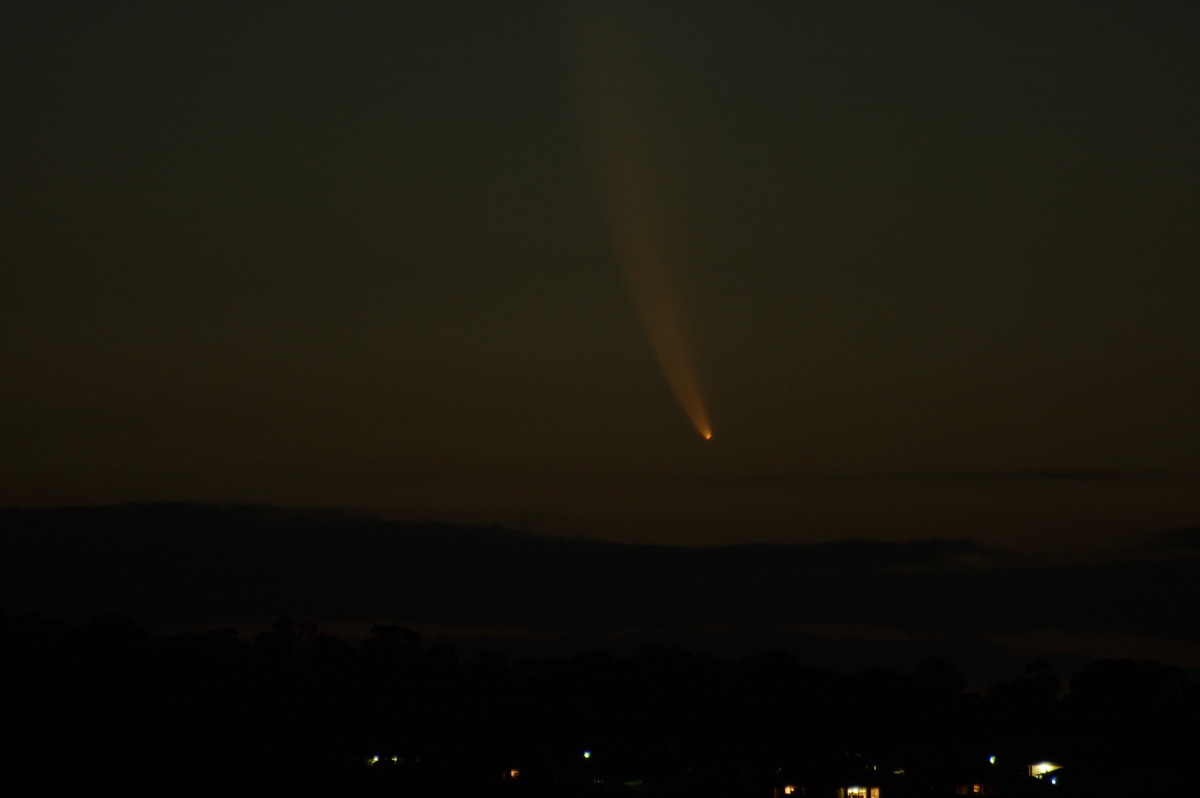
x=109, y=704
x=190, y=566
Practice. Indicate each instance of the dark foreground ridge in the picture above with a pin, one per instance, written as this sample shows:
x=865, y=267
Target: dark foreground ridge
x=107, y=706
x=196, y=566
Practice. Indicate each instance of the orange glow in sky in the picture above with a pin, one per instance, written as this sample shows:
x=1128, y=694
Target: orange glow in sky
x=620, y=144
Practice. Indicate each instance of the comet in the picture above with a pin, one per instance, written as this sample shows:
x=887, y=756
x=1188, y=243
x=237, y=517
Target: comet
x=620, y=143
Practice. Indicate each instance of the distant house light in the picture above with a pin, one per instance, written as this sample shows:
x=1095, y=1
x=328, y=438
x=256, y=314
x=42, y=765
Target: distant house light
x=992, y=759
x=587, y=754
x=1040, y=769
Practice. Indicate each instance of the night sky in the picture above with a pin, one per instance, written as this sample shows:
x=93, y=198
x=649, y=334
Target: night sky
x=934, y=265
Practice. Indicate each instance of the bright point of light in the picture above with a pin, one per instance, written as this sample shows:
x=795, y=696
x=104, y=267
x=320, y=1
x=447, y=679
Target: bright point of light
x=587, y=754
x=1042, y=768
x=992, y=759
x=708, y=436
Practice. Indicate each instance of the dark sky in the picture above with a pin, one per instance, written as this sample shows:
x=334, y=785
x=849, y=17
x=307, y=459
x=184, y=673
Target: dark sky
x=935, y=264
